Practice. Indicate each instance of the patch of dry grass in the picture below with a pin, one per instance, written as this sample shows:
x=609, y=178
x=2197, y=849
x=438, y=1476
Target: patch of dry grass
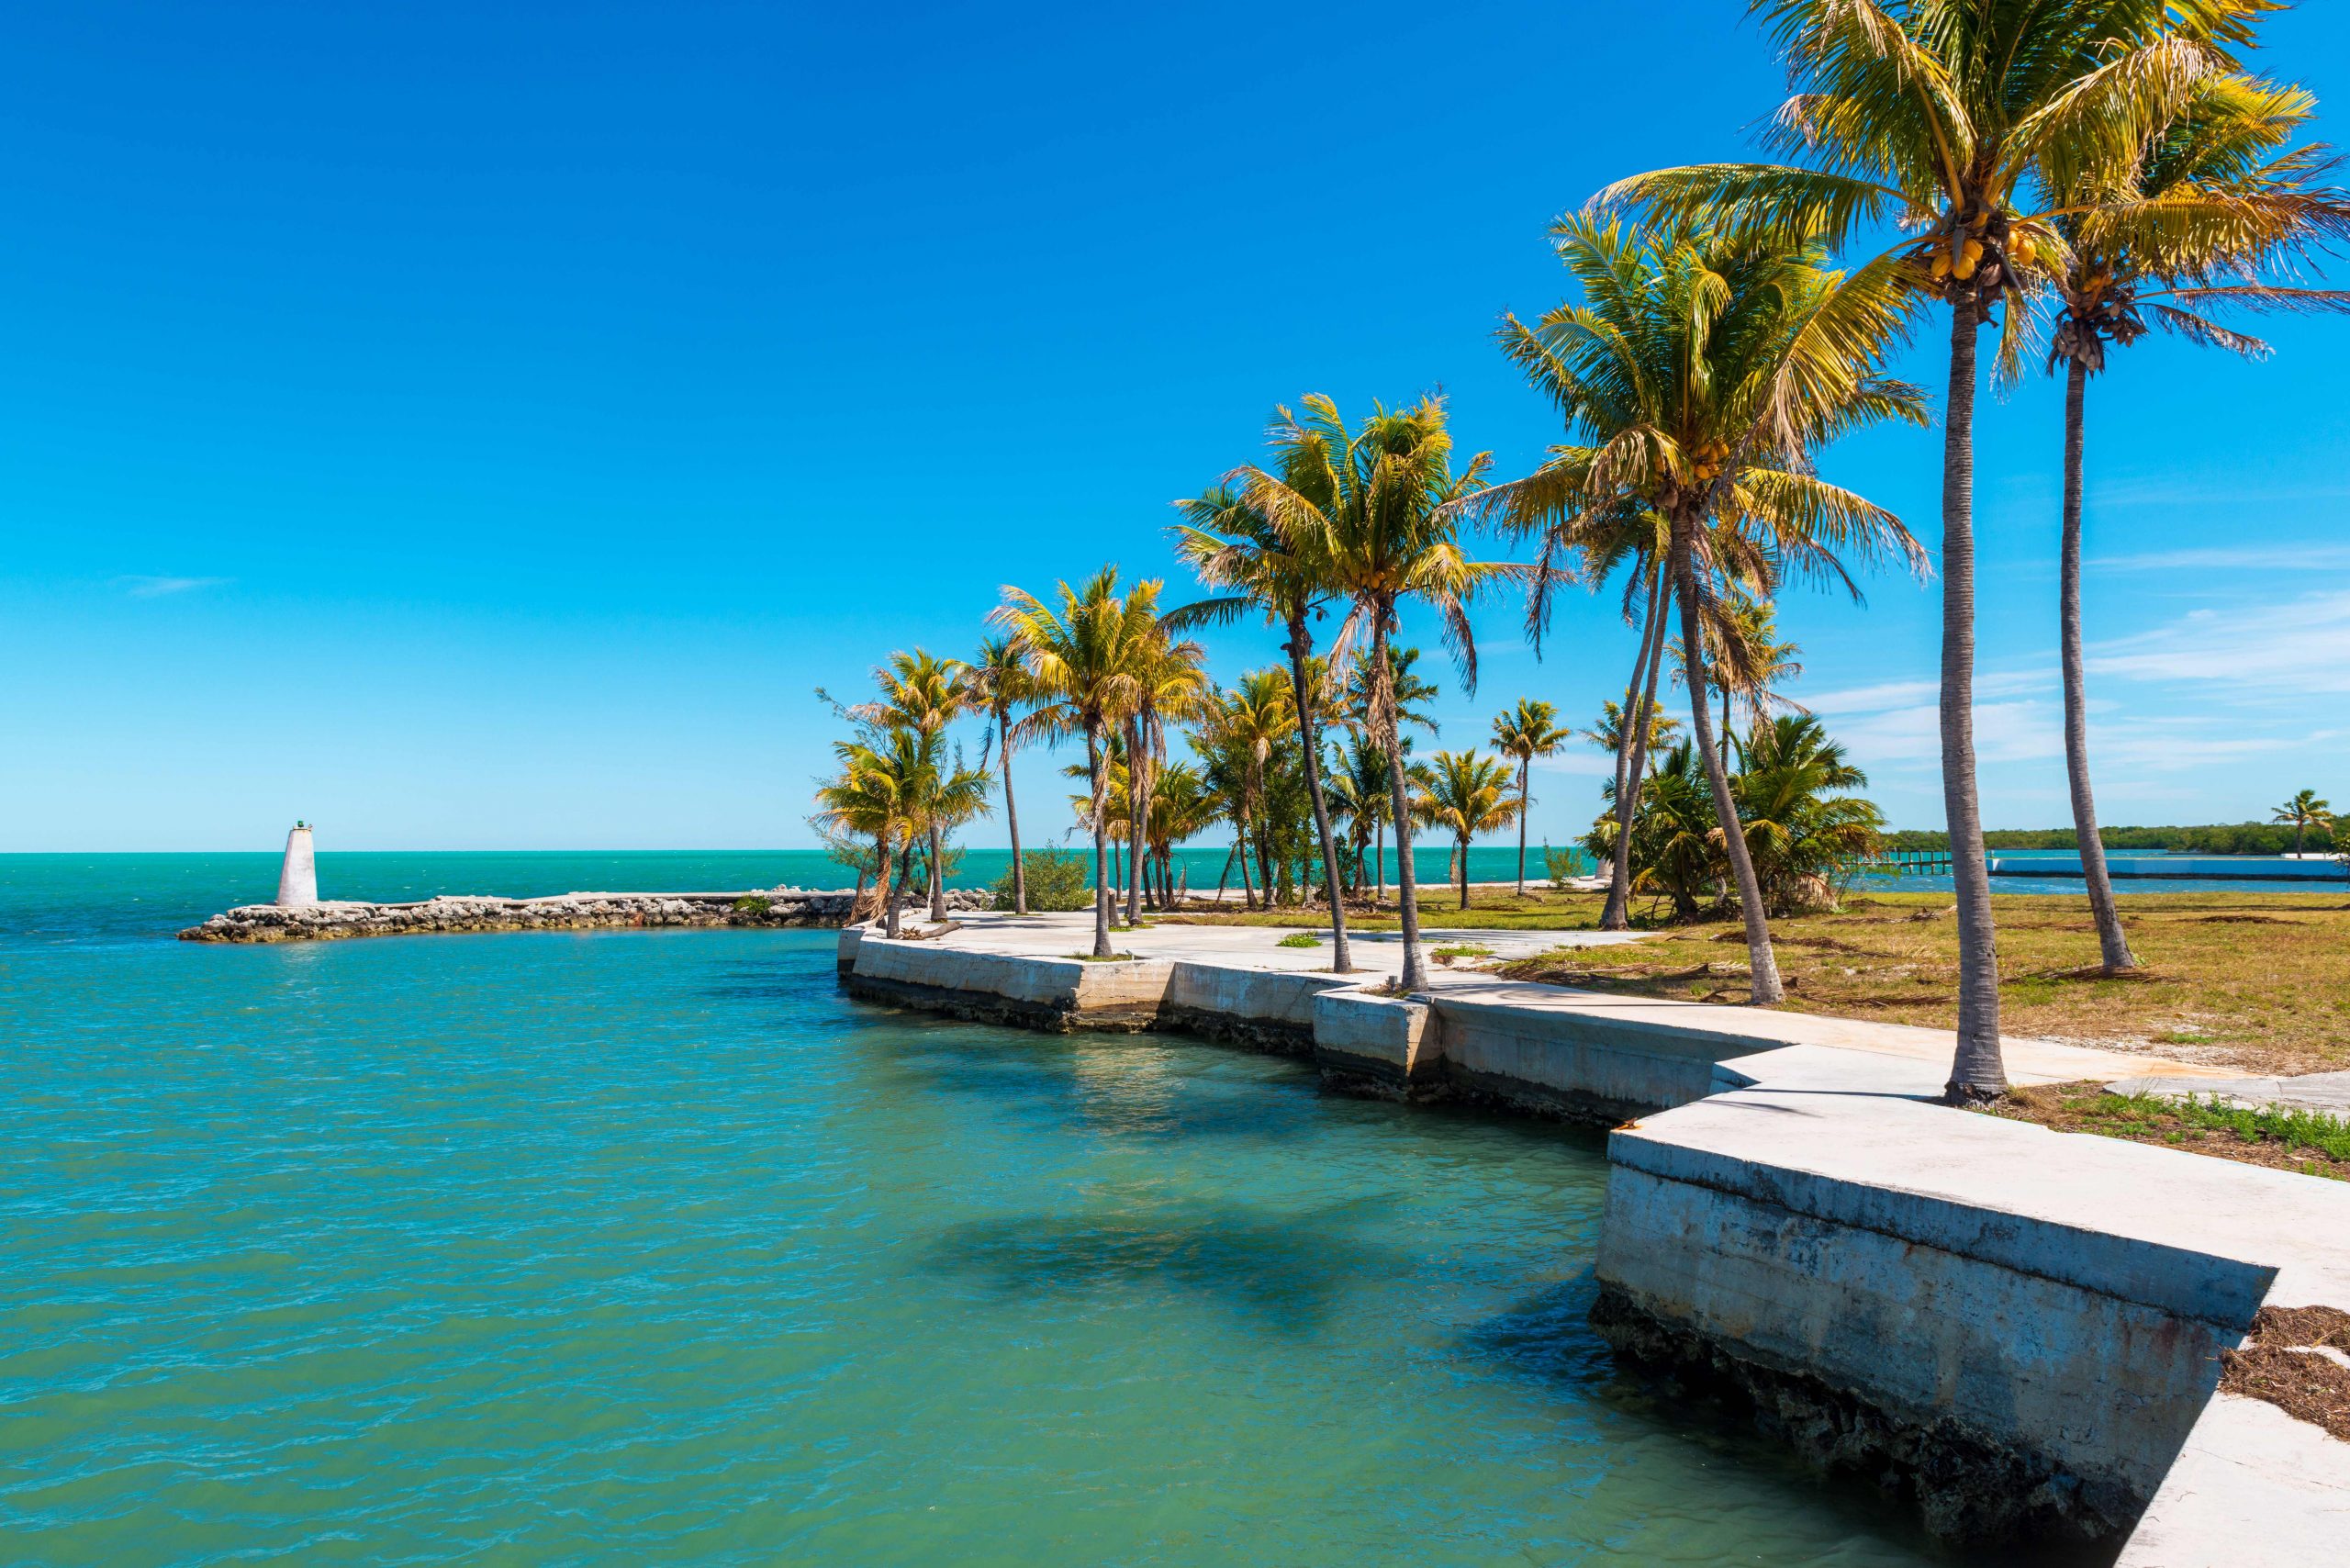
x=2259, y=981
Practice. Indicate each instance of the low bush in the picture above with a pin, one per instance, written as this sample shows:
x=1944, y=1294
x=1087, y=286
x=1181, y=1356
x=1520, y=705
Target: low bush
x=1057, y=879
x=754, y=903
x=1299, y=939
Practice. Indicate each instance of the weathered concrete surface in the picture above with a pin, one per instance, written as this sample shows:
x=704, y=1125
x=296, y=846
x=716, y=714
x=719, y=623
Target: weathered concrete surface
x=2054, y=1302
x=1383, y=1045
x=2324, y=1092
x=563, y=912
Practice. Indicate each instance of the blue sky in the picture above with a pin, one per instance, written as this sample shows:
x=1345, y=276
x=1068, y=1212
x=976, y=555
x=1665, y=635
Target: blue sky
x=481, y=426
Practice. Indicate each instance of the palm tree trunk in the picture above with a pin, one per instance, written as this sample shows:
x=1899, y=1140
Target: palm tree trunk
x=879, y=878
x=2113, y=946
x=1464, y=873
x=1100, y=840
x=1136, y=784
x=1309, y=734
x=1631, y=756
x=1378, y=863
x=1012, y=820
x=1765, y=987
x=1407, y=893
x=937, y=880
x=1976, y=1072
x=1725, y=726
x=1525, y=771
x=1240, y=849
x=890, y=895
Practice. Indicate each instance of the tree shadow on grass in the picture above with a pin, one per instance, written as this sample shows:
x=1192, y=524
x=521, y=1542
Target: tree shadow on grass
x=1282, y=1272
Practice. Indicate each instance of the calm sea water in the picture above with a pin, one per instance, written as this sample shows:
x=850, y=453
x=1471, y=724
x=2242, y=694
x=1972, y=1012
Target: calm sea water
x=639, y=1248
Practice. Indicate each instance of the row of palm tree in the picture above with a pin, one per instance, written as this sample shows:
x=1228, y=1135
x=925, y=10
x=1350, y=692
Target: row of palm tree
x=2112, y=160
x=2109, y=160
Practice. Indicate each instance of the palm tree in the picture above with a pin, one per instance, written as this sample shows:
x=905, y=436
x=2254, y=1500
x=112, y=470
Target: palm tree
x=1358, y=786
x=1376, y=503
x=1752, y=661
x=2304, y=810
x=898, y=783
x=1702, y=369
x=1078, y=653
x=1255, y=717
x=1608, y=733
x=1001, y=683
x=1801, y=825
x=924, y=694
x=1933, y=114
x=1525, y=733
x=1466, y=794
x=861, y=802
x=1170, y=684
x=2215, y=201
x=1183, y=806
x=1233, y=545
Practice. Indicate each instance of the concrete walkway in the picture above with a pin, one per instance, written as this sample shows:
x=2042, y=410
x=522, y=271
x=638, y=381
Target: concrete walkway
x=1902, y=1058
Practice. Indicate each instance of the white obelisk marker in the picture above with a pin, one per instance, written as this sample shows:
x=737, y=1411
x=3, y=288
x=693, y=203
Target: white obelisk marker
x=297, y=879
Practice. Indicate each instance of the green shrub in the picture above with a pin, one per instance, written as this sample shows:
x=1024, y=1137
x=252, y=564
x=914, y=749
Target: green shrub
x=1299, y=939
x=1057, y=879
x=754, y=903
x=1562, y=864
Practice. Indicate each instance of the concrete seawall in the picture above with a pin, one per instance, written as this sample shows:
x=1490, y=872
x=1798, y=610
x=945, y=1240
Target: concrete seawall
x=332, y=920
x=2022, y=1330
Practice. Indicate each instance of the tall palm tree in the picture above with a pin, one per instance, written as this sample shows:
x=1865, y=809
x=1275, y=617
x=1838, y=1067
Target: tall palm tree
x=1377, y=504
x=1931, y=115
x=1528, y=730
x=1078, y=652
x=1701, y=370
x=2304, y=810
x=2217, y=198
x=1466, y=794
x=1002, y=684
x=1234, y=547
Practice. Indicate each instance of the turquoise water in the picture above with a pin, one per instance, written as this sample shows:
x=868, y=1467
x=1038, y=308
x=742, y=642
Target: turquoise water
x=627, y=1248
x=186, y=887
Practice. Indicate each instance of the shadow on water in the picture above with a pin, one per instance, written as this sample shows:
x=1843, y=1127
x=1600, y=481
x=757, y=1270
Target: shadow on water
x=1283, y=1274
x=1135, y=1086
x=1547, y=1336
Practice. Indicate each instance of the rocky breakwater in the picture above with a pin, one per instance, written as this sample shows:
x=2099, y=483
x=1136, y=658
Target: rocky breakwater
x=561, y=912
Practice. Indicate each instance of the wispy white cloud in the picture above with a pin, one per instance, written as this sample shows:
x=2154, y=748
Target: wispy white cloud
x=1901, y=694
x=159, y=587
x=2233, y=492
x=2286, y=651
x=1578, y=761
x=2023, y=731
x=2274, y=558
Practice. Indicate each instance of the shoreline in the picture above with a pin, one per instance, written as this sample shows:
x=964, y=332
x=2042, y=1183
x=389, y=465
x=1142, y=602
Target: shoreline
x=2021, y=1329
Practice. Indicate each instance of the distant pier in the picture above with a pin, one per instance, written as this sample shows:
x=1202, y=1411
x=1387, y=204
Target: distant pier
x=335, y=919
